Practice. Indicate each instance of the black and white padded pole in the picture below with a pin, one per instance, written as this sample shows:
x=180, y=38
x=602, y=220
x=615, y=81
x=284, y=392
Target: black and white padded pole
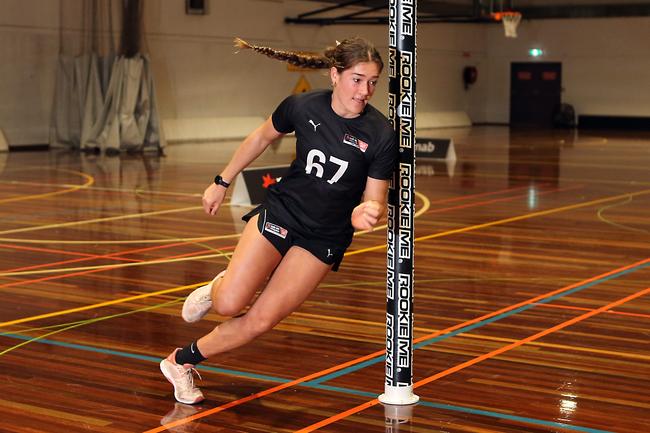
x=398, y=388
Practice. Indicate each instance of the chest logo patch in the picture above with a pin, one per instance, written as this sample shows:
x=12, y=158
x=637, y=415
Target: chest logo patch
x=355, y=142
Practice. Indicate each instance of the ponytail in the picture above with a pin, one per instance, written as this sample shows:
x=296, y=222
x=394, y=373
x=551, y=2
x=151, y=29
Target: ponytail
x=344, y=55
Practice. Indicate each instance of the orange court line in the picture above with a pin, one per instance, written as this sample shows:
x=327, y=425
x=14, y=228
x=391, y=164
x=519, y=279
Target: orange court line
x=116, y=256
x=481, y=194
x=381, y=352
x=478, y=359
x=84, y=257
x=87, y=256
x=533, y=214
x=101, y=304
x=497, y=200
x=90, y=256
x=74, y=274
x=47, y=250
x=571, y=307
x=508, y=220
x=181, y=243
x=531, y=300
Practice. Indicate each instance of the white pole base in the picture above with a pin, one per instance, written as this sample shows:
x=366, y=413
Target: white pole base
x=398, y=414
x=399, y=395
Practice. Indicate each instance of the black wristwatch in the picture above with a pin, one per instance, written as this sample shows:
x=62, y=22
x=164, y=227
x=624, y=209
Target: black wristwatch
x=219, y=181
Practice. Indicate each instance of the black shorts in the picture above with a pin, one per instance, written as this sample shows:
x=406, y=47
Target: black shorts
x=283, y=238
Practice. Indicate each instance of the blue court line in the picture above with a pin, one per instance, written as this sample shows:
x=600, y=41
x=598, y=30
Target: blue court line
x=381, y=358
x=248, y=375
x=143, y=357
x=471, y=411
x=317, y=383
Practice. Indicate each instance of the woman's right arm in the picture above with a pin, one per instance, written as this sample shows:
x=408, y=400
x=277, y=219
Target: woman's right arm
x=247, y=152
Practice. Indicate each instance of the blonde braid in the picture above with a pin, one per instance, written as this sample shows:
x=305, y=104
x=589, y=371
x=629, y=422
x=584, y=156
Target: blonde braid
x=297, y=59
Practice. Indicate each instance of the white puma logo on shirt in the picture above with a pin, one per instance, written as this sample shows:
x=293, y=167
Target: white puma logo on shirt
x=315, y=125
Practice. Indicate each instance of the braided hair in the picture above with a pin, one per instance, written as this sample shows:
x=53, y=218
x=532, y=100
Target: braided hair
x=344, y=55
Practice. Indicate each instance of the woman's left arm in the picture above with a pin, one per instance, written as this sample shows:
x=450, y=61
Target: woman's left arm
x=366, y=215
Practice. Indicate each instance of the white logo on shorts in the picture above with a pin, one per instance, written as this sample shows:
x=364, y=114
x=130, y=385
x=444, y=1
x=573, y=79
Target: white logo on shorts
x=329, y=253
x=276, y=230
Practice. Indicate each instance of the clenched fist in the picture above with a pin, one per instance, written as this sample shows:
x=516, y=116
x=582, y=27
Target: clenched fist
x=212, y=198
x=366, y=215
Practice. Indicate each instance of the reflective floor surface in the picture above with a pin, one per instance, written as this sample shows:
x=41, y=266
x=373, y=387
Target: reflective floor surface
x=532, y=295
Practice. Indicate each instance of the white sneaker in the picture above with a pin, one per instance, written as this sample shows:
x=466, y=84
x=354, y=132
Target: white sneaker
x=198, y=303
x=182, y=379
x=180, y=412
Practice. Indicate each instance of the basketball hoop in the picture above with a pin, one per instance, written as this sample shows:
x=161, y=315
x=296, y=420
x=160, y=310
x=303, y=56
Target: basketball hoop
x=510, y=22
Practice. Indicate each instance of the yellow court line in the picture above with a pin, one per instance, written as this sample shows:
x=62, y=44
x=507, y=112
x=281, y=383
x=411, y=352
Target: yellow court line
x=117, y=241
x=424, y=198
x=565, y=164
x=99, y=188
x=628, y=355
x=68, y=326
x=425, y=207
x=155, y=262
x=469, y=228
x=98, y=220
x=471, y=336
x=114, y=266
x=99, y=305
x=121, y=300
x=543, y=179
x=89, y=181
x=612, y=223
x=521, y=217
x=509, y=220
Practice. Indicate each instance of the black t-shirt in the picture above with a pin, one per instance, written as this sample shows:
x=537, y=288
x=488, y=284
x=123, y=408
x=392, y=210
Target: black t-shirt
x=334, y=157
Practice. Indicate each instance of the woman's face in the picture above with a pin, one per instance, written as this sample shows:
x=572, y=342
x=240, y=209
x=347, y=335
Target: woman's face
x=353, y=88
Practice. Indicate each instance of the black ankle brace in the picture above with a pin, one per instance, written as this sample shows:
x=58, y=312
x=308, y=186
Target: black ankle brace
x=189, y=354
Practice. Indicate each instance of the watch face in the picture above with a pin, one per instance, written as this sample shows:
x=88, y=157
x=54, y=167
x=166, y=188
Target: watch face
x=219, y=181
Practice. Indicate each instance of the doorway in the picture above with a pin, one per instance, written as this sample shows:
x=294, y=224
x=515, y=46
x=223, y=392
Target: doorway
x=535, y=93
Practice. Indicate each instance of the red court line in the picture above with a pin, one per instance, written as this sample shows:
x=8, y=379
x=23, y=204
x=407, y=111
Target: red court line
x=138, y=250
x=478, y=359
x=481, y=194
x=620, y=313
x=86, y=257
x=381, y=352
x=114, y=256
x=91, y=256
x=47, y=250
x=497, y=200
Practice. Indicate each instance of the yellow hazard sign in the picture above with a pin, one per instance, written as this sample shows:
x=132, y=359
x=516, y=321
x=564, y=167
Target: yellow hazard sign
x=302, y=86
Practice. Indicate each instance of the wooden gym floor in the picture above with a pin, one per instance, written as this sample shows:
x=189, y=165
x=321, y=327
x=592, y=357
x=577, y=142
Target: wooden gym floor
x=532, y=308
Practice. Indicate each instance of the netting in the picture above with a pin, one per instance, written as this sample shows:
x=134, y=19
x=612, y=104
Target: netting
x=510, y=22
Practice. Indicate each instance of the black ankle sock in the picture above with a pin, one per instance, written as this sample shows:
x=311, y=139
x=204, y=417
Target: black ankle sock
x=189, y=354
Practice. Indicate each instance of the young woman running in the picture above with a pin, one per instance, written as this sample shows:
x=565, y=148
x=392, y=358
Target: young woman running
x=345, y=155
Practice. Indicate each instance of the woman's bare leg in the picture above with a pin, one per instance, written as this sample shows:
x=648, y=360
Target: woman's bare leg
x=295, y=278
x=252, y=262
